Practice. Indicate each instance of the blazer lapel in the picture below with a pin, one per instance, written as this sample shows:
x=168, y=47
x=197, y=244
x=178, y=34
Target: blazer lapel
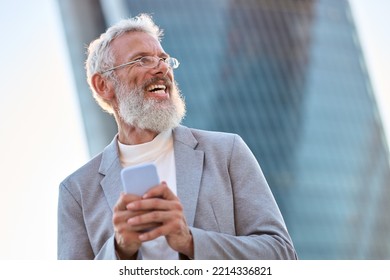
x=111, y=168
x=189, y=169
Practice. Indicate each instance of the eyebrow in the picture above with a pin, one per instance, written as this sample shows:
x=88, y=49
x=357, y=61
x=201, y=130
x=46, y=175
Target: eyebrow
x=142, y=54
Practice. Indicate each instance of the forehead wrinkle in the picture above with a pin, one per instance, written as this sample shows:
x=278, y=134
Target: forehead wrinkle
x=143, y=53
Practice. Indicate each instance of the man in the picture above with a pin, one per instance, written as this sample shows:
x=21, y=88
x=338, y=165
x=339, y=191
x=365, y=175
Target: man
x=213, y=201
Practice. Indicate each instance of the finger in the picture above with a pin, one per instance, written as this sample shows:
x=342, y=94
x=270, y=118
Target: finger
x=123, y=200
x=162, y=190
x=144, y=227
x=153, y=204
x=151, y=234
x=162, y=217
x=120, y=222
x=123, y=216
x=162, y=230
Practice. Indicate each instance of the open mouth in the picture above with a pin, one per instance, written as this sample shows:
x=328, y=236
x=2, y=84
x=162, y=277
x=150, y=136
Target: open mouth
x=156, y=88
x=158, y=91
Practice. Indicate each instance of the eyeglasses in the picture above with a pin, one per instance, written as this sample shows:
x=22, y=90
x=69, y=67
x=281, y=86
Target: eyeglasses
x=149, y=62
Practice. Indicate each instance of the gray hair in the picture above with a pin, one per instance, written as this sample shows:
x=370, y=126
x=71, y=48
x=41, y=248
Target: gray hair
x=100, y=56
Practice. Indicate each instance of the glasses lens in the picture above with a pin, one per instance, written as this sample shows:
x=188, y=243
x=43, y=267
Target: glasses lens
x=172, y=62
x=149, y=61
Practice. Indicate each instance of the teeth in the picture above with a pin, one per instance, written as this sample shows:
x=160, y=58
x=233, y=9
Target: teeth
x=156, y=87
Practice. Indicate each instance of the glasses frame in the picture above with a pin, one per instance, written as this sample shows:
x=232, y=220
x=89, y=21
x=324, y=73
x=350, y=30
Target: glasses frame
x=172, y=63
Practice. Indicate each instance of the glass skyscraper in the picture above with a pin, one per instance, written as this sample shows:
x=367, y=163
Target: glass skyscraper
x=289, y=76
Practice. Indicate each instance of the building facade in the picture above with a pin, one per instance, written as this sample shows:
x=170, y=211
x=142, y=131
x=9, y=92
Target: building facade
x=290, y=78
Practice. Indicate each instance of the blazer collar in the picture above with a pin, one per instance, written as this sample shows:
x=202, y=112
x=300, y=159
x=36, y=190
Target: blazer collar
x=189, y=168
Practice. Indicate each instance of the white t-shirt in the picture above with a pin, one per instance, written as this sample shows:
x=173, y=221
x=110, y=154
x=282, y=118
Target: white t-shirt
x=160, y=152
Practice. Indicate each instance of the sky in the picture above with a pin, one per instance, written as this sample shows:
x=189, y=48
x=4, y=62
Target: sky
x=42, y=136
x=40, y=121
x=372, y=19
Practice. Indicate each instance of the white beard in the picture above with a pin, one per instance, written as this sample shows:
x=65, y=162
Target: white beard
x=149, y=113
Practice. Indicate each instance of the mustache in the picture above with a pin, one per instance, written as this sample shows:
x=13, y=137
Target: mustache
x=167, y=82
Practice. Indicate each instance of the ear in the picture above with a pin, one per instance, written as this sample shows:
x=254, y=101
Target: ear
x=103, y=87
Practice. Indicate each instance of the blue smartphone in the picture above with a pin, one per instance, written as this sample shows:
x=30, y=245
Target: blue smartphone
x=139, y=179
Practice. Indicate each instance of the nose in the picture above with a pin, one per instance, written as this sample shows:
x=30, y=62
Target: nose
x=162, y=68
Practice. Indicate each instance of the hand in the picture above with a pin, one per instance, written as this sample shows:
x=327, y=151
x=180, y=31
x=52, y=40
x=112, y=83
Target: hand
x=126, y=236
x=162, y=207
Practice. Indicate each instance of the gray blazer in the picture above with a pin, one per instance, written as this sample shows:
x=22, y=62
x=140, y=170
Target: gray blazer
x=228, y=205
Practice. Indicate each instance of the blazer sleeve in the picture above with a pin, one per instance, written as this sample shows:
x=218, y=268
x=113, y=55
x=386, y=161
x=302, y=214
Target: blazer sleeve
x=73, y=241
x=260, y=229
x=72, y=238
